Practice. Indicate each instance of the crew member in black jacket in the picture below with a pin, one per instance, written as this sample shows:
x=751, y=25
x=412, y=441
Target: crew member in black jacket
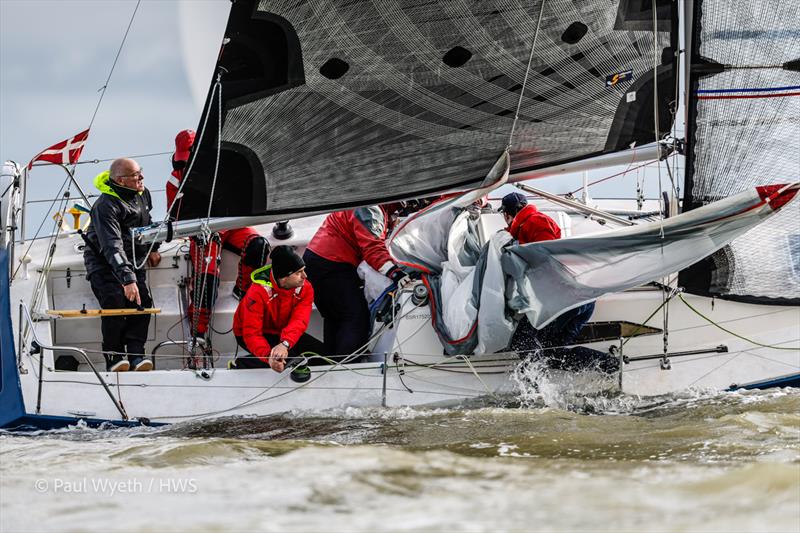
x=110, y=269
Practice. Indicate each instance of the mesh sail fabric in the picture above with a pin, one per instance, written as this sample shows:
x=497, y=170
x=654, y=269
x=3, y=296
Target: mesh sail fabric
x=330, y=104
x=745, y=128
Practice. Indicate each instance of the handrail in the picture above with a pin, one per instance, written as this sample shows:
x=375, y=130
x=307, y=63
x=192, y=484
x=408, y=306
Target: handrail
x=27, y=315
x=575, y=205
x=163, y=344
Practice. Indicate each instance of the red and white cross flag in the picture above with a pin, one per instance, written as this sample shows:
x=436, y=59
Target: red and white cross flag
x=63, y=153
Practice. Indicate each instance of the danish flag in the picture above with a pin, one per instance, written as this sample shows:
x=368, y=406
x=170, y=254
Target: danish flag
x=63, y=153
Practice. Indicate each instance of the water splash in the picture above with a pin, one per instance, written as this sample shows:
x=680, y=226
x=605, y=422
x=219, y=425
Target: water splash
x=589, y=391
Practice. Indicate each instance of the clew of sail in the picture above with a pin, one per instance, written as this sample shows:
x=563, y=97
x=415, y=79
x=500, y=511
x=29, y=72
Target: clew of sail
x=474, y=293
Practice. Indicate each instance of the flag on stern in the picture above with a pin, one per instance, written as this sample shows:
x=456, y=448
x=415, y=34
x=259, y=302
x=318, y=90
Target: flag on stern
x=63, y=153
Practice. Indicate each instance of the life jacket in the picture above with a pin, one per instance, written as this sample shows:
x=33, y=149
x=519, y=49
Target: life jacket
x=128, y=209
x=268, y=309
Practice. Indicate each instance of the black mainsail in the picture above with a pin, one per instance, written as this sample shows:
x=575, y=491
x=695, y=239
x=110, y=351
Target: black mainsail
x=332, y=104
x=744, y=130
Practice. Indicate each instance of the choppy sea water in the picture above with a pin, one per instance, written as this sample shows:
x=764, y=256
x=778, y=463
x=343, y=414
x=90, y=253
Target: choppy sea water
x=698, y=462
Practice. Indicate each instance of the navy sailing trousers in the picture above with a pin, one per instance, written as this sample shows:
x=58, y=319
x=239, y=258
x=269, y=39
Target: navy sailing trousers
x=121, y=333
x=560, y=332
x=339, y=297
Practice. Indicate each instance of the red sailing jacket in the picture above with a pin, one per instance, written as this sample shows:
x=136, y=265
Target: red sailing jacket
x=268, y=309
x=531, y=225
x=353, y=236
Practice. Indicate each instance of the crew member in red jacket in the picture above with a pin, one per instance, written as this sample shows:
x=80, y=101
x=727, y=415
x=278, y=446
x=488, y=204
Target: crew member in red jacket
x=247, y=243
x=527, y=224
x=343, y=240
x=272, y=318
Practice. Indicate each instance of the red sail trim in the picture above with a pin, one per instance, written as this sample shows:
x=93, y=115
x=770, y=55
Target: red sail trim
x=777, y=195
x=432, y=301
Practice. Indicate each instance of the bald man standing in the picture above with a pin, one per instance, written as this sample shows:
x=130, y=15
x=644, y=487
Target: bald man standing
x=110, y=269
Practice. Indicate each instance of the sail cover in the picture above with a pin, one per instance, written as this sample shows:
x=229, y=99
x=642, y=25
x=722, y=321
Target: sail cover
x=744, y=129
x=327, y=104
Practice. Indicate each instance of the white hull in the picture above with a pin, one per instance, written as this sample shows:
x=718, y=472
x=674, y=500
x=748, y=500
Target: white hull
x=172, y=393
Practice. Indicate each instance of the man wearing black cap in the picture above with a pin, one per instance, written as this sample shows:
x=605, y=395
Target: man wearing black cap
x=527, y=224
x=272, y=318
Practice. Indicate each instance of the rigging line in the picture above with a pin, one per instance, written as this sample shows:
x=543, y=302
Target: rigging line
x=704, y=317
x=7, y=189
x=714, y=370
x=58, y=220
x=776, y=361
x=646, y=320
x=601, y=180
x=255, y=399
x=178, y=194
x=140, y=156
x=119, y=51
x=197, y=143
x=655, y=111
x=475, y=373
x=41, y=225
x=219, y=151
x=525, y=79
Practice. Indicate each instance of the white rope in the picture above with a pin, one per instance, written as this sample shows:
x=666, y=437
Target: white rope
x=655, y=115
x=178, y=194
x=525, y=79
x=475, y=373
x=219, y=147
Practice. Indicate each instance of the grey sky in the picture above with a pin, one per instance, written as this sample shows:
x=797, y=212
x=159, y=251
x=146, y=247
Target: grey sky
x=56, y=55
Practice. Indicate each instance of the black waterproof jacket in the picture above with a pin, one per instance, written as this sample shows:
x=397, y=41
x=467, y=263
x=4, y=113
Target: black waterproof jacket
x=114, y=214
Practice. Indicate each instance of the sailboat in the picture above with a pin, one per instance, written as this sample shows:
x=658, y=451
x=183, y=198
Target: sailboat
x=321, y=106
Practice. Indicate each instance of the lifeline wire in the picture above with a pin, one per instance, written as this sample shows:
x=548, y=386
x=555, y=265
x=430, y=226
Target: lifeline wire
x=139, y=156
x=41, y=225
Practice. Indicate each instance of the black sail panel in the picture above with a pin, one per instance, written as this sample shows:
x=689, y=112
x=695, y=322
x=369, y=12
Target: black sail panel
x=330, y=104
x=744, y=130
